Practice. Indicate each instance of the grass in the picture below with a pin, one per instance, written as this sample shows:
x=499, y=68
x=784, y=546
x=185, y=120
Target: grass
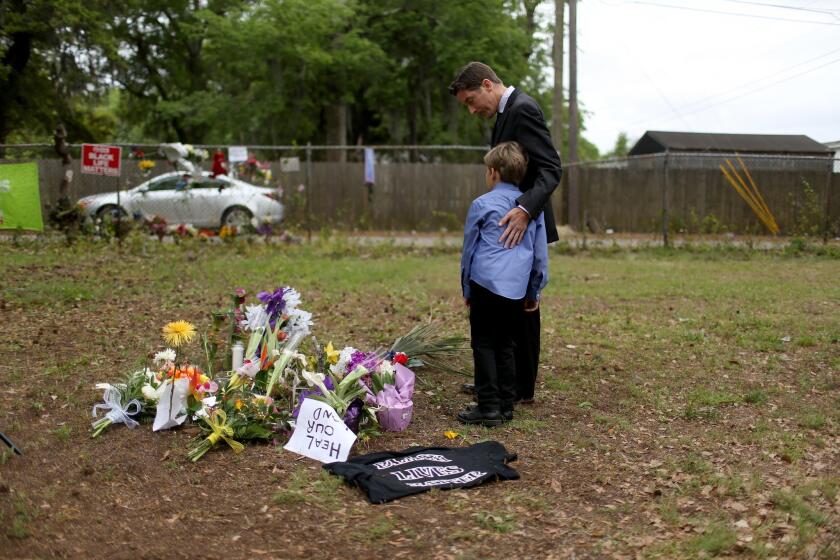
x=716, y=539
x=495, y=522
x=755, y=396
x=303, y=487
x=673, y=385
x=812, y=420
x=23, y=514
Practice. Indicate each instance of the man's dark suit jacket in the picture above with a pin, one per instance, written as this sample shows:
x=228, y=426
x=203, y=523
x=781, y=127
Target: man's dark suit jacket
x=523, y=121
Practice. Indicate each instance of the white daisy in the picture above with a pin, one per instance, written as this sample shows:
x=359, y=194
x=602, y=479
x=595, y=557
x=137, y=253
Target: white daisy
x=164, y=356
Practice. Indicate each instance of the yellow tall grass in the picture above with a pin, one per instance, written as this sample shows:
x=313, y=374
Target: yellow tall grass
x=750, y=193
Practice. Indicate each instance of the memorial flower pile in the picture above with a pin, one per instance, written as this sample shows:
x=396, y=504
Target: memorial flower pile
x=255, y=396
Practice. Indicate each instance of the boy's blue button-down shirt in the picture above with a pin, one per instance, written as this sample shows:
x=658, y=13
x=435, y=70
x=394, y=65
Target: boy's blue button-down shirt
x=516, y=273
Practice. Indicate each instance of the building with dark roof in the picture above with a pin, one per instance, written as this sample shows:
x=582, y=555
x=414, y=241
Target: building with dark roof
x=658, y=141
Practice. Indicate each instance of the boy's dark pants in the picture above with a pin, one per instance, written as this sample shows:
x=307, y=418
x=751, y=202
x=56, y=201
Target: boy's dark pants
x=494, y=321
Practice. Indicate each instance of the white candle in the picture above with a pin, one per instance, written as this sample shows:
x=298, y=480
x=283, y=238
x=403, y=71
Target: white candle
x=238, y=355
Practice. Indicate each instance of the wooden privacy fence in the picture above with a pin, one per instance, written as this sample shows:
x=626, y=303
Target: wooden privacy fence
x=683, y=191
x=688, y=192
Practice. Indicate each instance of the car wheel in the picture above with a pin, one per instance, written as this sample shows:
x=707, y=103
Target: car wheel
x=238, y=217
x=111, y=211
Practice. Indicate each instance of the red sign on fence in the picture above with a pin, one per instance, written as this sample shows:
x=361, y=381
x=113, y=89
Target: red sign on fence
x=101, y=160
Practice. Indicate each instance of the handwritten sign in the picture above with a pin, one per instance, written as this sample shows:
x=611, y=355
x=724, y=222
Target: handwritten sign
x=320, y=433
x=290, y=164
x=237, y=154
x=101, y=160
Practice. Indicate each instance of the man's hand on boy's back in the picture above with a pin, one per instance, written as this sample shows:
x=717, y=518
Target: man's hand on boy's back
x=531, y=305
x=467, y=302
x=517, y=222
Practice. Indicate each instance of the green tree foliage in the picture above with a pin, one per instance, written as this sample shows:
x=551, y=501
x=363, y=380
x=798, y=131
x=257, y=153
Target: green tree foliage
x=622, y=146
x=50, y=68
x=260, y=71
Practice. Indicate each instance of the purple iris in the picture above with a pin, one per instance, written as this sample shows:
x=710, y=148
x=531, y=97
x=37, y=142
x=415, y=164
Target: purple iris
x=353, y=415
x=275, y=304
x=310, y=392
x=366, y=359
x=351, y=418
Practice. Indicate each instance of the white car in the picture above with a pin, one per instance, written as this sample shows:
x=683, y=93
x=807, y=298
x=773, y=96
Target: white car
x=205, y=202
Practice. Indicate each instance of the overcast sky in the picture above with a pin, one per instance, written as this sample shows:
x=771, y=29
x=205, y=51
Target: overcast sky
x=667, y=65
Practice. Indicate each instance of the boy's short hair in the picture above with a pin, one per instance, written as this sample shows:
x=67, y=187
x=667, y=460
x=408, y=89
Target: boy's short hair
x=509, y=159
x=469, y=77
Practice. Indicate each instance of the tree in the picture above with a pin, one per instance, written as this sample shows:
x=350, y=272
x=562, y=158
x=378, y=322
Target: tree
x=557, y=59
x=425, y=42
x=259, y=71
x=159, y=60
x=50, y=68
x=621, y=148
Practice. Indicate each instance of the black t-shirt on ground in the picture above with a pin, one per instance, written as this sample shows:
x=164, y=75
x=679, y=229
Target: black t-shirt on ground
x=389, y=475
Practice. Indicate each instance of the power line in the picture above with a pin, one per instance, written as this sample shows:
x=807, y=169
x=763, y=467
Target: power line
x=738, y=14
x=704, y=108
x=738, y=88
x=675, y=110
x=832, y=13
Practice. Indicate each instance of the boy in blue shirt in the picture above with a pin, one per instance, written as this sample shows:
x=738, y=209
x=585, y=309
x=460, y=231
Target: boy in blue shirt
x=499, y=284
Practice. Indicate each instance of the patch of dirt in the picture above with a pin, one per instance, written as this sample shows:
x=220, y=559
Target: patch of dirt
x=613, y=463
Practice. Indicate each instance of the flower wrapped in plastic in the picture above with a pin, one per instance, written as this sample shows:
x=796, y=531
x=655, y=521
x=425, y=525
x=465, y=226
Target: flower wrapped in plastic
x=394, y=403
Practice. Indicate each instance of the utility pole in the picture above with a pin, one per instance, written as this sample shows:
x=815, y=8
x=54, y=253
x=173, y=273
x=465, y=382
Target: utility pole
x=574, y=188
x=557, y=100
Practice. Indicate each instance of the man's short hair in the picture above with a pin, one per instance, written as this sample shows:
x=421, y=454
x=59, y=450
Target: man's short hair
x=469, y=77
x=509, y=159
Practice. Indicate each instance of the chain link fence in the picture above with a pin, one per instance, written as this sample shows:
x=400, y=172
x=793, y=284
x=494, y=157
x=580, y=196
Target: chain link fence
x=430, y=188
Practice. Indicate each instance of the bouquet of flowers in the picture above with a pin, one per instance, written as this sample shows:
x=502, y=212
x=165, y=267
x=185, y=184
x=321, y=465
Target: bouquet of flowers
x=393, y=389
x=146, y=166
x=194, y=154
x=251, y=405
x=343, y=386
x=253, y=169
x=157, y=226
x=124, y=402
x=258, y=397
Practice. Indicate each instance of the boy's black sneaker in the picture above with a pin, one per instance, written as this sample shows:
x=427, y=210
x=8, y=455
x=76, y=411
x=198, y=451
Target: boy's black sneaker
x=507, y=415
x=488, y=419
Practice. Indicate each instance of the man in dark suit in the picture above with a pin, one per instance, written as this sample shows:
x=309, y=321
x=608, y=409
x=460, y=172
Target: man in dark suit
x=520, y=119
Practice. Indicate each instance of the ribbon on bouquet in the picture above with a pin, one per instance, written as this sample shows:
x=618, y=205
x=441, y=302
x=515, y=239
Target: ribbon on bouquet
x=117, y=413
x=217, y=421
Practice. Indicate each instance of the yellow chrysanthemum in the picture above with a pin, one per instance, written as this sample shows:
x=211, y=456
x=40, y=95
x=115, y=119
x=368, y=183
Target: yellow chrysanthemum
x=178, y=333
x=450, y=434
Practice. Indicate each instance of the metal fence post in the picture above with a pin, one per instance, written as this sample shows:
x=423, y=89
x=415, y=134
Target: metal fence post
x=308, y=189
x=665, y=202
x=827, y=201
